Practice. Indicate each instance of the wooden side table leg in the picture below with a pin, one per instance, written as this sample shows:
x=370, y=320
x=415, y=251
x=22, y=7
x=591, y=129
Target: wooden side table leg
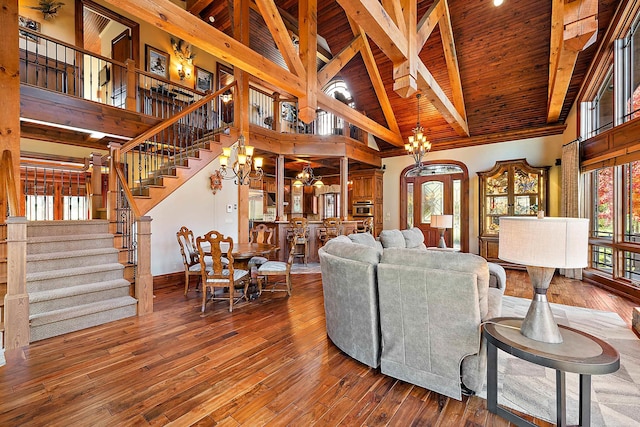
x=561, y=399
x=585, y=400
x=492, y=378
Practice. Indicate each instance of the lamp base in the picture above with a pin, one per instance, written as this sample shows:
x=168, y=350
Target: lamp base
x=442, y=243
x=539, y=323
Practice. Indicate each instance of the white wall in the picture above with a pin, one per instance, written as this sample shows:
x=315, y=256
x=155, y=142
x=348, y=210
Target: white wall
x=537, y=151
x=195, y=206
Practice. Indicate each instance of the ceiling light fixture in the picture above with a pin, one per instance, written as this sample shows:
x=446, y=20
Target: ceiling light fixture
x=498, y=2
x=418, y=146
x=306, y=178
x=241, y=167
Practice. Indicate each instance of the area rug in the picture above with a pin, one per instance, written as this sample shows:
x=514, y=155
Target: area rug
x=310, y=268
x=530, y=388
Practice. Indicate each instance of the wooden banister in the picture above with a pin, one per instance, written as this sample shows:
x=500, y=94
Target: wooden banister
x=140, y=139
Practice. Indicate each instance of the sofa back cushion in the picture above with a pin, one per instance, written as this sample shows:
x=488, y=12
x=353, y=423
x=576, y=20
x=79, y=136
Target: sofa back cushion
x=455, y=261
x=366, y=239
x=343, y=247
x=411, y=238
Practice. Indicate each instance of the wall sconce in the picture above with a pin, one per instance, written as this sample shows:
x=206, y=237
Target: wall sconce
x=183, y=72
x=226, y=96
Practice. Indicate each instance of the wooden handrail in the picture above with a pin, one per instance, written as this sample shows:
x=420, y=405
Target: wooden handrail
x=37, y=35
x=173, y=119
x=8, y=183
x=127, y=192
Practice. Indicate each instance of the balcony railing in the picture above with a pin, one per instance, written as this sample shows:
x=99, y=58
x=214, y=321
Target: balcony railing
x=58, y=66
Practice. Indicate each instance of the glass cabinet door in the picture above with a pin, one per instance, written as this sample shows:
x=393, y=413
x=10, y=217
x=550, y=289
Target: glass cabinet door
x=510, y=188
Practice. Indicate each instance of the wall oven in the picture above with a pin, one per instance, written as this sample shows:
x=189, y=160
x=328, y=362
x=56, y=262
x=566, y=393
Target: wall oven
x=362, y=209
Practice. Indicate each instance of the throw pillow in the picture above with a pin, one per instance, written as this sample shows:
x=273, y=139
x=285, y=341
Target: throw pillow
x=363, y=239
x=392, y=239
x=413, y=237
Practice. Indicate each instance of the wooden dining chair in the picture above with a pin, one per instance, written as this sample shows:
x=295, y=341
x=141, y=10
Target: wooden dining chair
x=213, y=247
x=261, y=233
x=332, y=228
x=190, y=256
x=298, y=235
x=276, y=268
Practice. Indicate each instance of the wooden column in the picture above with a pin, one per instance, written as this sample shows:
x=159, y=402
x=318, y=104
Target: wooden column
x=96, y=184
x=241, y=110
x=280, y=188
x=344, y=187
x=277, y=117
x=144, y=279
x=16, y=301
x=10, y=86
x=132, y=86
x=112, y=196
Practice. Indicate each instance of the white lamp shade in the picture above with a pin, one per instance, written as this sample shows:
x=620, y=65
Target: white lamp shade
x=544, y=242
x=441, y=221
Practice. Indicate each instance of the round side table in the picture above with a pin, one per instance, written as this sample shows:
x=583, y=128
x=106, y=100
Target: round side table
x=580, y=353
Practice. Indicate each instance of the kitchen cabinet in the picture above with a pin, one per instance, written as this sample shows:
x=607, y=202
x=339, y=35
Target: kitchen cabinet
x=367, y=186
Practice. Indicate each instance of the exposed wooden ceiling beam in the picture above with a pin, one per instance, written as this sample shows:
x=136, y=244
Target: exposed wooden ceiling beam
x=197, y=6
x=394, y=10
x=292, y=25
x=376, y=79
x=280, y=34
x=371, y=16
x=308, y=25
x=428, y=23
x=451, y=58
x=175, y=20
x=405, y=78
x=574, y=27
x=353, y=116
x=554, y=129
x=333, y=67
x=430, y=88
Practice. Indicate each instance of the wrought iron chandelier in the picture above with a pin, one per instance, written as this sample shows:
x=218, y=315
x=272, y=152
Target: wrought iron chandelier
x=241, y=169
x=306, y=178
x=418, y=146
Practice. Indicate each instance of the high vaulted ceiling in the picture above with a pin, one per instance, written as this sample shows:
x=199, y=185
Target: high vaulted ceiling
x=503, y=54
x=488, y=74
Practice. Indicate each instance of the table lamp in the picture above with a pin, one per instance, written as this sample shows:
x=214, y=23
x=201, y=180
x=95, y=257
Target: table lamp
x=542, y=245
x=442, y=222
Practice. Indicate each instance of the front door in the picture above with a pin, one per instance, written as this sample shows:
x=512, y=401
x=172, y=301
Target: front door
x=433, y=196
x=437, y=189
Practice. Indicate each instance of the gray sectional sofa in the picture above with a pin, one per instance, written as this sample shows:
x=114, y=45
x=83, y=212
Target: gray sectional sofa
x=415, y=313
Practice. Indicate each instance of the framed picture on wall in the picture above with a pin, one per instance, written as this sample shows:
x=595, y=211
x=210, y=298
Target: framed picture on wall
x=157, y=61
x=204, y=79
x=30, y=24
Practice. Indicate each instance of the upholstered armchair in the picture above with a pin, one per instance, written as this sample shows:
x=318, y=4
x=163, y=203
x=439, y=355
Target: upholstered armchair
x=432, y=305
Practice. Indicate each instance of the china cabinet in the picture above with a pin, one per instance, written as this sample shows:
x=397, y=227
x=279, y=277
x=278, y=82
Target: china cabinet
x=510, y=188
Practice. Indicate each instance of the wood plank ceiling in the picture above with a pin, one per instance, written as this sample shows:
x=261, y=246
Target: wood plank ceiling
x=503, y=55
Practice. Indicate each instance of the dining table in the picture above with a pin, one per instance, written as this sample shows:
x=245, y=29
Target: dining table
x=243, y=252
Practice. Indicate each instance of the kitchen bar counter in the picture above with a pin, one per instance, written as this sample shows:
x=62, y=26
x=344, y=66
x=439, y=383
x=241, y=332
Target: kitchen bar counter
x=282, y=228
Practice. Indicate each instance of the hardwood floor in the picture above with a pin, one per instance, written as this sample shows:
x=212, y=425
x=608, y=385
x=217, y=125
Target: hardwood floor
x=267, y=363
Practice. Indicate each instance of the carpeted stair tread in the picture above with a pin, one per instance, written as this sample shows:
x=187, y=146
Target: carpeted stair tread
x=58, y=228
x=66, y=237
x=35, y=297
x=80, y=311
x=71, y=254
x=56, y=274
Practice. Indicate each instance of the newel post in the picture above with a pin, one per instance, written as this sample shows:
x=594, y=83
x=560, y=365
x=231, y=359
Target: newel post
x=112, y=191
x=132, y=85
x=16, y=301
x=144, y=279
